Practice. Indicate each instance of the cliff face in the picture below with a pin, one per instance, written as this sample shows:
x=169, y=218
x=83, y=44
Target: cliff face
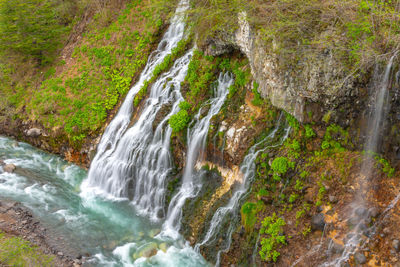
x=318, y=80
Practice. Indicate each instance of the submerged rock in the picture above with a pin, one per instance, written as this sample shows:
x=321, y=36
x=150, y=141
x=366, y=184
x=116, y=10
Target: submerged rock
x=163, y=247
x=10, y=168
x=152, y=233
x=146, y=251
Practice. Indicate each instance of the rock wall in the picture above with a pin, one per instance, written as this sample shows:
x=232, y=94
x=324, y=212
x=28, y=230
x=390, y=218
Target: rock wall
x=318, y=79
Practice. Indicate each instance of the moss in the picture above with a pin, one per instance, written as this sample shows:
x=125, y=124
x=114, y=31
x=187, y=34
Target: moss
x=14, y=251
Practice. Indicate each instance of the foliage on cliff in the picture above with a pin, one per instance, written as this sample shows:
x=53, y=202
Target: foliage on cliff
x=357, y=32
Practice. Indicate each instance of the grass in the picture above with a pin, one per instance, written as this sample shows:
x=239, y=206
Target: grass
x=78, y=93
x=14, y=251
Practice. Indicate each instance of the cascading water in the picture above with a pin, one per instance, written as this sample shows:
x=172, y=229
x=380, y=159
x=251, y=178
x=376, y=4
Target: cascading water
x=217, y=227
x=142, y=156
x=108, y=230
x=139, y=157
x=374, y=133
x=197, y=136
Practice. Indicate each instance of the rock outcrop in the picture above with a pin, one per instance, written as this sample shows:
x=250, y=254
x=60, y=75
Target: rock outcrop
x=320, y=78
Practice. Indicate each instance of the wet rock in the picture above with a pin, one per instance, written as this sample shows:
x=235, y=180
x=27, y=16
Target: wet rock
x=337, y=248
x=353, y=221
x=396, y=245
x=146, y=251
x=163, y=247
x=361, y=212
x=333, y=199
x=33, y=132
x=9, y=168
x=318, y=222
x=360, y=258
x=373, y=212
x=152, y=233
x=386, y=231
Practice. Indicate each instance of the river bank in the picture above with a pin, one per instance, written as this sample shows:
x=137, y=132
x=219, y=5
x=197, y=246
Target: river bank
x=18, y=221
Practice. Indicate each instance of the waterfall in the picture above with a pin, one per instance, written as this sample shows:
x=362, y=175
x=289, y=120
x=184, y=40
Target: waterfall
x=135, y=162
x=196, y=136
x=376, y=123
x=230, y=211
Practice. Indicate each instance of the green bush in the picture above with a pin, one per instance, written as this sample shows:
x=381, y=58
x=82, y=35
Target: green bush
x=309, y=132
x=249, y=211
x=257, y=100
x=272, y=228
x=184, y=105
x=179, y=121
x=280, y=165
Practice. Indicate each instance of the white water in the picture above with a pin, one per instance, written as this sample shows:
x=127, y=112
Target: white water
x=374, y=134
x=110, y=230
x=134, y=163
x=230, y=211
x=197, y=137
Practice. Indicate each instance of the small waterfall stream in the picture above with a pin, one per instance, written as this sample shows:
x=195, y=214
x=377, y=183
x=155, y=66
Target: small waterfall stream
x=197, y=137
x=231, y=210
x=122, y=119
x=134, y=163
x=376, y=124
x=141, y=159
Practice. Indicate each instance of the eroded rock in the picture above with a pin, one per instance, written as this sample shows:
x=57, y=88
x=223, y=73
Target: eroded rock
x=34, y=132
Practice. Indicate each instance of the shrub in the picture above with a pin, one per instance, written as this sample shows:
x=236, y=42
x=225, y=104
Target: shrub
x=280, y=165
x=249, y=211
x=179, y=121
x=309, y=132
x=184, y=105
x=272, y=228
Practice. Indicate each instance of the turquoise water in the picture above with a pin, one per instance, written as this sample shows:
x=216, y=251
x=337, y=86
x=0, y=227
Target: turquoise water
x=107, y=229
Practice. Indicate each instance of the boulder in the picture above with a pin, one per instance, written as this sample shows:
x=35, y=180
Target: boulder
x=34, y=132
x=163, y=247
x=318, y=222
x=10, y=168
x=146, y=251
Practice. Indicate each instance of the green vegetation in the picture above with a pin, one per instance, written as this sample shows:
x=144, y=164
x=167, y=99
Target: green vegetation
x=272, y=228
x=75, y=95
x=179, y=121
x=280, y=166
x=34, y=29
x=309, y=131
x=354, y=32
x=338, y=143
x=249, y=211
x=383, y=164
x=14, y=251
x=163, y=66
